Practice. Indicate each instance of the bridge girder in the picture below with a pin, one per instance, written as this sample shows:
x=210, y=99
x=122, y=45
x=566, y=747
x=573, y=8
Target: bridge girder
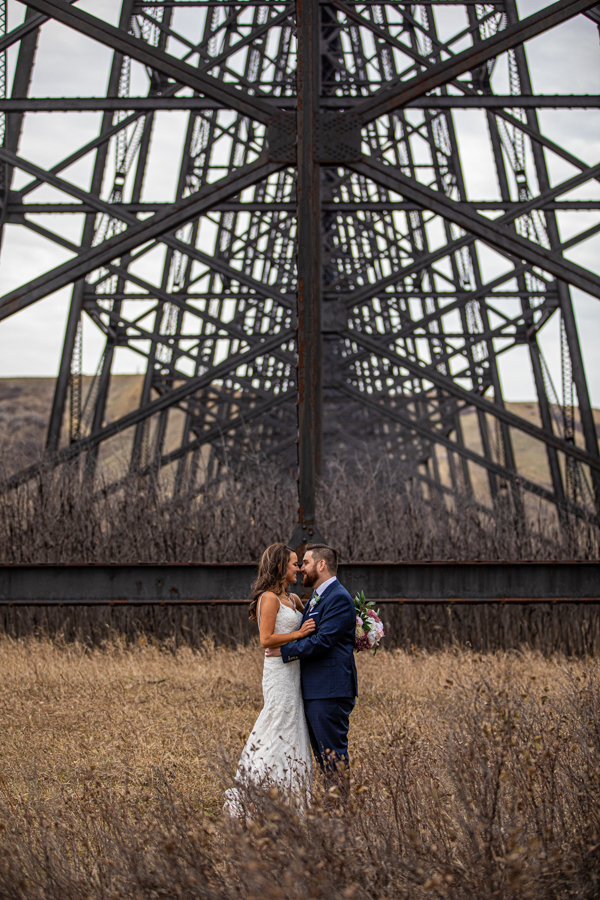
x=321, y=249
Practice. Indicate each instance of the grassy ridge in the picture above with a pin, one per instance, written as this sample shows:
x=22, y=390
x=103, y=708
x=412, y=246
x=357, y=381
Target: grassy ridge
x=25, y=405
x=472, y=776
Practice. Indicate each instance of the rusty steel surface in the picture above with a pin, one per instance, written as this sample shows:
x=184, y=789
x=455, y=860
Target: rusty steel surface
x=308, y=196
x=201, y=583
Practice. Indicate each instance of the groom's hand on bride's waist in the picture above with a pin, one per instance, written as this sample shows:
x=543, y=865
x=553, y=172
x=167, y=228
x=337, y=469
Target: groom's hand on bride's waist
x=273, y=651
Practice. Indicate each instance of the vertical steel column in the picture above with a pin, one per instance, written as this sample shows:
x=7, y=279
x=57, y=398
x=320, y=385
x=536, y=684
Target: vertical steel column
x=112, y=341
x=64, y=372
x=310, y=404
x=534, y=353
x=564, y=294
x=14, y=121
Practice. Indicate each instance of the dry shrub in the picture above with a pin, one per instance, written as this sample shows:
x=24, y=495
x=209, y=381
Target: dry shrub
x=61, y=517
x=376, y=509
x=370, y=509
x=551, y=627
x=472, y=776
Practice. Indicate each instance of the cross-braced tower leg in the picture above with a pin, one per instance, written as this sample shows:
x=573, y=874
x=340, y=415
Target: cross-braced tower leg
x=322, y=275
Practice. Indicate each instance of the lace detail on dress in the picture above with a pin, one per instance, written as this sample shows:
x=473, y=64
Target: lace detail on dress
x=278, y=749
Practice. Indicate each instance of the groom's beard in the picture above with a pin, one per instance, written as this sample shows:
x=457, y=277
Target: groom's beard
x=309, y=579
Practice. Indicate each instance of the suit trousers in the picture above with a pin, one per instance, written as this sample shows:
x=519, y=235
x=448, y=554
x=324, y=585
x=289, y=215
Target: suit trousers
x=328, y=722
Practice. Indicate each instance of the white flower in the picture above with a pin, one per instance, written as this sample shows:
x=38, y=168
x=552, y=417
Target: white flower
x=375, y=633
x=359, y=632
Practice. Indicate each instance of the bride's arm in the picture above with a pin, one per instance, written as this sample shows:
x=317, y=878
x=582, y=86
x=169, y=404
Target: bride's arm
x=269, y=607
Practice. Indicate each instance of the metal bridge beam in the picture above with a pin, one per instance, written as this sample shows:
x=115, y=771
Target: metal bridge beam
x=388, y=100
x=155, y=227
x=192, y=104
x=182, y=72
x=198, y=583
x=364, y=263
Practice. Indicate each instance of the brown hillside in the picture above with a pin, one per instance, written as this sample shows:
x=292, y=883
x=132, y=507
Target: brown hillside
x=25, y=405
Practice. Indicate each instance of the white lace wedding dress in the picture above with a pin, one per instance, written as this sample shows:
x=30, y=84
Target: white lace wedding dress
x=278, y=749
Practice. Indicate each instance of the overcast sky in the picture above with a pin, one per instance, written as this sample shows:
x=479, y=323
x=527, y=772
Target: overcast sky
x=565, y=60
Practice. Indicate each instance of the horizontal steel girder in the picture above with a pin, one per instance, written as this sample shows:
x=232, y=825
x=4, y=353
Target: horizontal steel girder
x=197, y=104
x=16, y=210
x=156, y=226
x=388, y=99
x=202, y=583
x=503, y=239
x=168, y=65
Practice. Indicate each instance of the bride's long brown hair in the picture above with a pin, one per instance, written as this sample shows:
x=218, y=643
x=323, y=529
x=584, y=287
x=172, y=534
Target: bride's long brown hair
x=272, y=570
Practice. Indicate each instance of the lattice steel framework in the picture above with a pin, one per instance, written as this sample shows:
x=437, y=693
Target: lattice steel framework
x=321, y=281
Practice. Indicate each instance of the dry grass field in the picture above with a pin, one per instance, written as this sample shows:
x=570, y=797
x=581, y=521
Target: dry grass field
x=472, y=776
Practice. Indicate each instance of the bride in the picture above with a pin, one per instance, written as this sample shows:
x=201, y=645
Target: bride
x=278, y=749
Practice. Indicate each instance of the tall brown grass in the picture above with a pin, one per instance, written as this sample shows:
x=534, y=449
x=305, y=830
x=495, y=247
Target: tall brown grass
x=472, y=776
x=372, y=509
x=569, y=628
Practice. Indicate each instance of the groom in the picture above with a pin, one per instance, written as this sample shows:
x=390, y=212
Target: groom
x=328, y=670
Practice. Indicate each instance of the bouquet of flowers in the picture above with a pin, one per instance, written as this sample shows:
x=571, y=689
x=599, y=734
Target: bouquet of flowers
x=369, y=627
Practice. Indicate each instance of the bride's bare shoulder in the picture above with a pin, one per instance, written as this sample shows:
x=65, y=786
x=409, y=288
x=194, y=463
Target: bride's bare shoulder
x=298, y=602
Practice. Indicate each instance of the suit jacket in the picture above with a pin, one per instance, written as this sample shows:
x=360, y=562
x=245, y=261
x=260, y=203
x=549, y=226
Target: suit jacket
x=326, y=657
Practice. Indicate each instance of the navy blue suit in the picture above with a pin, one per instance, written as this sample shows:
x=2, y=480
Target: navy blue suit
x=328, y=673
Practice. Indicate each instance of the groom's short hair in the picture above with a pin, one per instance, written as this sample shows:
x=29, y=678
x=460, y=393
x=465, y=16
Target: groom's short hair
x=322, y=551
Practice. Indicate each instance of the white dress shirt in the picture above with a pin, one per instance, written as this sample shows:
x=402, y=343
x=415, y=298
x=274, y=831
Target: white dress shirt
x=325, y=585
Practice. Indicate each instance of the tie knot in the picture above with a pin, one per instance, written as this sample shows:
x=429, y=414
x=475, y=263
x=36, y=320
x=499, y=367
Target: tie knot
x=314, y=595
